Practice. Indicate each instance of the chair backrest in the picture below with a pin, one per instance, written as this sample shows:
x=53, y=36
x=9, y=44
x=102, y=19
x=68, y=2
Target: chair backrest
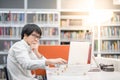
x=55, y=51
x=6, y=72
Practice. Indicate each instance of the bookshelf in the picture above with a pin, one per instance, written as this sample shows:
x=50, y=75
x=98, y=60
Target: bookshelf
x=73, y=21
x=73, y=27
x=11, y=22
x=14, y=16
x=49, y=23
x=108, y=42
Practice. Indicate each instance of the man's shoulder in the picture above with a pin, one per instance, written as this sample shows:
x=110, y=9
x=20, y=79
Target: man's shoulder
x=18, y=44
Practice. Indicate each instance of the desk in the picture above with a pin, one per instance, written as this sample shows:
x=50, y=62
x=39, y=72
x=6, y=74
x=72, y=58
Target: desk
x=89, y=76
x=84, y=75
x=104, y=75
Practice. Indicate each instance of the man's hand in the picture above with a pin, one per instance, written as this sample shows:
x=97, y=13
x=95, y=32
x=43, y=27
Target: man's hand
x=34, y=48
x=56, y=61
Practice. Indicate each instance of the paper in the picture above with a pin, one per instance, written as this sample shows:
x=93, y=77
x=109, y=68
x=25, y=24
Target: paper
x=76, y=72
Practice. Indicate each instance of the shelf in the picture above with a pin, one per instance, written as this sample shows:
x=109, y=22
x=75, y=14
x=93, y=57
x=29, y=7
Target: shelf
x=74, y=28
x=68, y=40
x=74, y=17
x=111, y=24
x=8, y=10
x=95, y=52
x=110, y=38
x=10, y=38
x=107, y=39
x=74, y=10
x=110, y=52
x=42, y=11
x=48, y=25
x=3, y=52
x=50, y=38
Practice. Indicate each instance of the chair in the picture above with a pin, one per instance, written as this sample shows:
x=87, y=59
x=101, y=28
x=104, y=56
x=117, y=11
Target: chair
x=6, y=72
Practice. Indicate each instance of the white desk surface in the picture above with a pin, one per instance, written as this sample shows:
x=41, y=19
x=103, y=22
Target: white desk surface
x=74, y=73
x=104, y=75
x=89, y=76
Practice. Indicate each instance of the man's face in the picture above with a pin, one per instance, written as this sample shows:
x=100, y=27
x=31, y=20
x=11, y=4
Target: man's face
x=33, y=38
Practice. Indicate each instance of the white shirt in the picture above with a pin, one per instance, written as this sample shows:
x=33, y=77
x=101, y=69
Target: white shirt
x=21, y=60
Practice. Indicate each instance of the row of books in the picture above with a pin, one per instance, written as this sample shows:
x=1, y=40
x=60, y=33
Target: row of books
x=3, y=59
x=2, y=74
x=110, y=46
x=71, y=22
x=16, y=31
x=76, y=35
x=49, y=42
x=50, y=32
x=115, y=18
x=110, y=31
x=31, y=17
x=12, y=17
x=95, y=45
x=117, y=56
x=10, y=31
x=42, y=18
x=6, y=44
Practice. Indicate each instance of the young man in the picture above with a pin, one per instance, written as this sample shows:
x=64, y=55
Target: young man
x=23, y=56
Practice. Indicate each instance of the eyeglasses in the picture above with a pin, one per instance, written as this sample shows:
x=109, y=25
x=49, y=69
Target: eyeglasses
x=35, y=36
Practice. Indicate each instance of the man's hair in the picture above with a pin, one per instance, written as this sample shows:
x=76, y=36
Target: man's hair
x=29, y=28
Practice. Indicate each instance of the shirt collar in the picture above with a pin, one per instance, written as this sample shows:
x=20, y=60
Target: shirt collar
x=25, y=43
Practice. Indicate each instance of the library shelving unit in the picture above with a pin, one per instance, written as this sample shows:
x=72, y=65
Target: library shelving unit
x=110, y=37
x=16, y=13
x=74, y=27
x=45, y=14
x=73, y=21
x=49, y=23
x=11, y=23
x=107, y=32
